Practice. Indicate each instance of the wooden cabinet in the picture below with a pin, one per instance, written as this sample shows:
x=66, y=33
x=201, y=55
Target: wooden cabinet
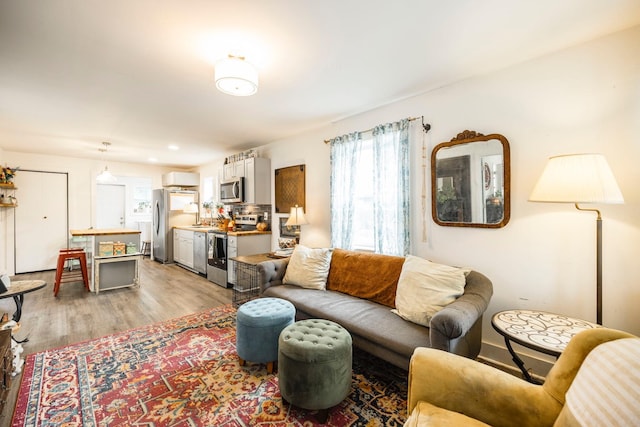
x=8, y=196
x=183, y=247
x=7, y=365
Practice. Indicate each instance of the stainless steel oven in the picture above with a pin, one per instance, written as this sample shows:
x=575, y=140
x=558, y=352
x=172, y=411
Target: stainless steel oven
x=217, y=261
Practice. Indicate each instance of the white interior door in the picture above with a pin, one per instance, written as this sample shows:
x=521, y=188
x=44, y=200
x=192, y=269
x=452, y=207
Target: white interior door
x=41, y=226
x=110, y=206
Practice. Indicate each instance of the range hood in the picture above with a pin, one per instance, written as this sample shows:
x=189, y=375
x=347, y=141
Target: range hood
x=181, y=179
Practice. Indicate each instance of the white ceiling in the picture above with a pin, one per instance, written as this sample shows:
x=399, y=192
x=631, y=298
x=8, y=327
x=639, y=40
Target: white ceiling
x=139, y=73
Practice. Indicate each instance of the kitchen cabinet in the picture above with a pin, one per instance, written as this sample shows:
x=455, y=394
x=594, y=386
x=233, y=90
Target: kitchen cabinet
x=245, y=244
x=257, y=181
x=233, y=170
x=183, y=247
x=257, y=178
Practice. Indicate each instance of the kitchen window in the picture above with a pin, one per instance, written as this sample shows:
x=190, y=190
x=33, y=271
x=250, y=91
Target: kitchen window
x=370, y=190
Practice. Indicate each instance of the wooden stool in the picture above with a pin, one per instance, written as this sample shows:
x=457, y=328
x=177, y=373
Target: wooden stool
x=70, y=275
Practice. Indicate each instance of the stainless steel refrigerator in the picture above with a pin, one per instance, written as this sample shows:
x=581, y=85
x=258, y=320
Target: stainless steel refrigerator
x=168, y=212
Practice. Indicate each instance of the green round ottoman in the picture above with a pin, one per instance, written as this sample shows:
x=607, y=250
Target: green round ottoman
x=314, y=364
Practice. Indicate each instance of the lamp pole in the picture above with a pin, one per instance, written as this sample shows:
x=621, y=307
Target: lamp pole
x=598, y=262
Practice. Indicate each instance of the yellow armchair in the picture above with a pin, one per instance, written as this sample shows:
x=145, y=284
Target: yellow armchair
x=449, y=390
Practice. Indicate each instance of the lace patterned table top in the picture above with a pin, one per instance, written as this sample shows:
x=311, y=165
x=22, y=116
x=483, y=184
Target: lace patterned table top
x=541, y=331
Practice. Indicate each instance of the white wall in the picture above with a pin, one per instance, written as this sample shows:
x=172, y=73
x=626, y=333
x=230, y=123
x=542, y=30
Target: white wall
x=584, y=99
x=82, y=188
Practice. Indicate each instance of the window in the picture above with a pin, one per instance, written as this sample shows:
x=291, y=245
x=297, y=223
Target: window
x=363, y=234
x=370, y=190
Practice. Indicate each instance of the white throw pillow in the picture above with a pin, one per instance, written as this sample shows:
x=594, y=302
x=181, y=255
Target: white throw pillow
x=425, y=287
x=308, y=268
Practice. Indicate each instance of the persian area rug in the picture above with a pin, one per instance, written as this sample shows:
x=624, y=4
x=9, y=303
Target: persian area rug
x=185, y=372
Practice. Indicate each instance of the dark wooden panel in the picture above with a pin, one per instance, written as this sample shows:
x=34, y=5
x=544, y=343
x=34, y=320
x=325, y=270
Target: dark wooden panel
x=290, y=188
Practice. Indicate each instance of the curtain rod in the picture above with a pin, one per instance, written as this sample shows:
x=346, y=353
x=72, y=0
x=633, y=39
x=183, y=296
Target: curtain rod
x=425, y=126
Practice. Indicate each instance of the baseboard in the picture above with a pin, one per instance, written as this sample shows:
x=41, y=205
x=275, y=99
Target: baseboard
x=537, y=364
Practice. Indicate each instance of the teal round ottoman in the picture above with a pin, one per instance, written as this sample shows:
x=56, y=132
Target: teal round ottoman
x=258, y=326
x=314, y=364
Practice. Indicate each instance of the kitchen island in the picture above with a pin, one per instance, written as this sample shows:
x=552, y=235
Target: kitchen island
x=109, y=271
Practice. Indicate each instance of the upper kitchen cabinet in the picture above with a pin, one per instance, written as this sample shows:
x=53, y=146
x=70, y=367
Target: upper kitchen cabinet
x=180, y=179
x=256, y=172
x=233, y=170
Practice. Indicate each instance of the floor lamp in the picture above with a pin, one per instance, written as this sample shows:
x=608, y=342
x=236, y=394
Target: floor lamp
x=580, y=178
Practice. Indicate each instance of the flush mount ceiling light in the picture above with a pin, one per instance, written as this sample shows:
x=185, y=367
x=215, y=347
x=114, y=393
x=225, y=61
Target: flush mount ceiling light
x=105, y=176
x=235, y=76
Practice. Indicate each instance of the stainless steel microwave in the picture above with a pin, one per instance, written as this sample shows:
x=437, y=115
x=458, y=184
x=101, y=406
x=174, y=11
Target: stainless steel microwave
x=232, y=191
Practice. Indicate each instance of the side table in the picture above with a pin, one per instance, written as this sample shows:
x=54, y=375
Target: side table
x=18, y=289
x=247, y=286
x=541, y=331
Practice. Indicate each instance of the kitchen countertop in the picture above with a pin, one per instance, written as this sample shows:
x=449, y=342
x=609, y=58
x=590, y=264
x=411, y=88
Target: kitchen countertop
x=103, y=231
x=203, y=229
x=200, y=228
x=247, y=233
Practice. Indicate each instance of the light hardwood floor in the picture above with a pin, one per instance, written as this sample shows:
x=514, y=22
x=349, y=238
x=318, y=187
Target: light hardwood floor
x=166, y=292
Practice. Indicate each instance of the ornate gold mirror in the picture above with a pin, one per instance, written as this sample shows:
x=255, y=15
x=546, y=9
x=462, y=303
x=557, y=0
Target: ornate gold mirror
x=470, y=181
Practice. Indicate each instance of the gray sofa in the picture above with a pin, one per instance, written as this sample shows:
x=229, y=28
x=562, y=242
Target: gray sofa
x=374, y=327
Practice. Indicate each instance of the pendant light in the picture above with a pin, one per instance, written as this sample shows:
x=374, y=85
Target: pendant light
x=105, y=176
x=235, y=76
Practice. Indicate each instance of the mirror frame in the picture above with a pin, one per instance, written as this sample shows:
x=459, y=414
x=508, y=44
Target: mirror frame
x=467, y=137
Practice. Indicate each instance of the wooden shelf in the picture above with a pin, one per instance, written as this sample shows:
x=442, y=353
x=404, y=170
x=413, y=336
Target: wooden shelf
x=10, y=189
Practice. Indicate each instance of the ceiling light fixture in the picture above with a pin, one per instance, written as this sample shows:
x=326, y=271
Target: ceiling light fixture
x=235, y=76
x=105, y=176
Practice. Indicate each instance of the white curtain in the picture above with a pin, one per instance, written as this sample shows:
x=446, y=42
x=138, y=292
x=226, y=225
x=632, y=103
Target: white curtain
x=391, y=205
x=391, y=194
x=344, y=162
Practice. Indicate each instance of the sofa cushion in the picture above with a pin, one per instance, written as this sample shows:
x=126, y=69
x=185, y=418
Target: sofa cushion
x=369, y=276
x=308, y=268
x=615, y=368
x=426, y=414
x=425, y=287
x=365, y=319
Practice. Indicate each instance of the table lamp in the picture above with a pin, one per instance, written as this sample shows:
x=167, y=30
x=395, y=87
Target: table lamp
x=580, y=178
x=296, y=219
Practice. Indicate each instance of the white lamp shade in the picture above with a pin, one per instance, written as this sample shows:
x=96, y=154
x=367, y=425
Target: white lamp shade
x=296, y=217
x=105, y=177
x=235, y=76
x=577, y=178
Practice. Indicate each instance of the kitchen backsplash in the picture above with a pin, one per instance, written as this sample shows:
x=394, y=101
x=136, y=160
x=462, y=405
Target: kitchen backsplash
x=254, y=209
